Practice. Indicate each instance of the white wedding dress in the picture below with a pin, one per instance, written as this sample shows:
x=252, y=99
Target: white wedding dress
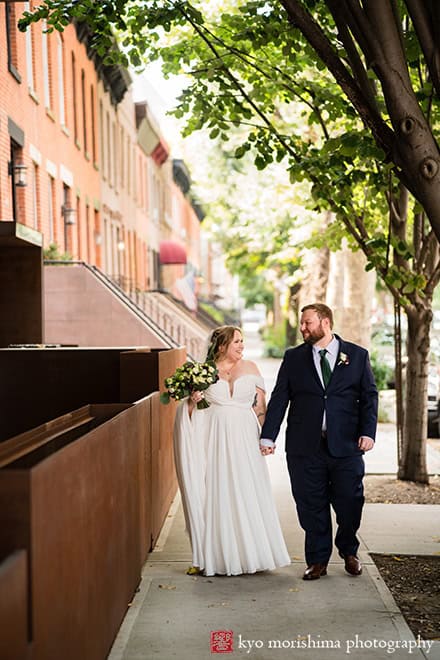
x=224, y=482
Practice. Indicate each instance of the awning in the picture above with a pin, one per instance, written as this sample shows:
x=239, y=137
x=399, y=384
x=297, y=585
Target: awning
x=171, y=253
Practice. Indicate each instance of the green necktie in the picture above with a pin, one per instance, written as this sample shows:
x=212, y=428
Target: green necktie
x=325, y=367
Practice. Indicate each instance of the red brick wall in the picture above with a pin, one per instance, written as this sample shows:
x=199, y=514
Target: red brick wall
x=47, y=143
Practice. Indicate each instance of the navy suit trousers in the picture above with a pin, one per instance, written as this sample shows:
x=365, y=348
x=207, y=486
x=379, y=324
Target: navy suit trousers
x=318, y=482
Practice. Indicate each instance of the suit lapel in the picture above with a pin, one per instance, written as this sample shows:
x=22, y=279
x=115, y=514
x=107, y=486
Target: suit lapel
x=339, y=367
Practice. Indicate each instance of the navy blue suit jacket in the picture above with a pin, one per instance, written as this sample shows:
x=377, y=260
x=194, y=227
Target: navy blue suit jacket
x=350, y=402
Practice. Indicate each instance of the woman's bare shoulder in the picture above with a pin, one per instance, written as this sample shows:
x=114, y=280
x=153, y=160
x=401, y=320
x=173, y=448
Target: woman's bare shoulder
x=249, y=367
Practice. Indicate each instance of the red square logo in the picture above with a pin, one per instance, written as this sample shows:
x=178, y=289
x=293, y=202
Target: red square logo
x=222, y=641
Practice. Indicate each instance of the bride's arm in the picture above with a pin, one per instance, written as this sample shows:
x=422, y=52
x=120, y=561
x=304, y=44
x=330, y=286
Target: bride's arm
x=259, y=405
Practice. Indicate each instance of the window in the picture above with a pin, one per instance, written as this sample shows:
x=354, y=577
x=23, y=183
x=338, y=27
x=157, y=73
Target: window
x=60, y=72
x=50, y=208
x=84, y=110
x=135, y=173
x=29, y=53
x=122, y=155
x=11, y=39
x=88, y=234
x=74, y=99
x=128, y=166
x=16, y=157
x=67, y=228
x=115, y=155
x=35, y=196
x=79, y=228
x=109, y=149
x=102, y=141
x=92, y=110
x=46, y=68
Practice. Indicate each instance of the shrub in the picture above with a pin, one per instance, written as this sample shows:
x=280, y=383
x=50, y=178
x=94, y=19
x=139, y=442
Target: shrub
x=383, y=374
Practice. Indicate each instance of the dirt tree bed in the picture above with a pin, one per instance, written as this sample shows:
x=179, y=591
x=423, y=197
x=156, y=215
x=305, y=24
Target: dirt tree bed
x=414, y=580
x=389, y=490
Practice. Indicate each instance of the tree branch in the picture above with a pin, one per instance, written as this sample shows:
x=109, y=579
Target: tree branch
x=424, y=29
x=355, y=61
x=297, y=15
x=238, y=85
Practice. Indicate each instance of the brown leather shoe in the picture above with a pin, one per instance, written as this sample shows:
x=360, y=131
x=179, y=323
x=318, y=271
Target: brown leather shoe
x=315, y=571
x=352, y=565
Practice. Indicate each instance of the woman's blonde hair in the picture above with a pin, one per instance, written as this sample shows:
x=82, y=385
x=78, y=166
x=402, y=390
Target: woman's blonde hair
x=221, y=336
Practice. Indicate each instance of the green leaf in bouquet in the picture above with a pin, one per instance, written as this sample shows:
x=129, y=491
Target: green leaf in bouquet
x=164, y=397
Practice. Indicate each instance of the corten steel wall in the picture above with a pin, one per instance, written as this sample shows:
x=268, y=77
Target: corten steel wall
x=14, y=607
x=151, y=368
x=164, y=489
x=88, y=503
x=77, y=512
x=41, y=384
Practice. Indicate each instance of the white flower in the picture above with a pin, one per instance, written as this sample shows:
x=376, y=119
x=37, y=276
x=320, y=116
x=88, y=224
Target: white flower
x=343, y=359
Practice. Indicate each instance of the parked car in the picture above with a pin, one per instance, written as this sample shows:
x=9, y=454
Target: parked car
x=433, y=402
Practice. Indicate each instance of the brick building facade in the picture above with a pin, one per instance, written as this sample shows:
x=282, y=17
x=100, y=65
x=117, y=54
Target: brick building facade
x=98, y=187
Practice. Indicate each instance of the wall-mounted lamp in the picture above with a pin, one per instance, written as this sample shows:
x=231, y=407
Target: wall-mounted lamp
x=19, y=172
x=98, y=238
x=121, y=246
x=68, y=214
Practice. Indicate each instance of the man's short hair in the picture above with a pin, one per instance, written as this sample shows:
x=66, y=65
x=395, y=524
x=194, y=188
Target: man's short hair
x=322, y=310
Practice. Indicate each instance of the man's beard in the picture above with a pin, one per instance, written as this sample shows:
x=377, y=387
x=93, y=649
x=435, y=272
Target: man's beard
x=314, y=336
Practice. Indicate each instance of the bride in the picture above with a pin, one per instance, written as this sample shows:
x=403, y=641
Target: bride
x=229, y=509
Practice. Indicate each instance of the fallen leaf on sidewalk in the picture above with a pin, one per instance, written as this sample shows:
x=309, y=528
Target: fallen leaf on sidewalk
x=170, y=587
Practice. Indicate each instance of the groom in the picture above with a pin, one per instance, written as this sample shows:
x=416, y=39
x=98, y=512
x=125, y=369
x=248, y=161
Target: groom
x=331, y=422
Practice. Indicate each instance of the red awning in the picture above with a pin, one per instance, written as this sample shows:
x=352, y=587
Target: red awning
x=171, y=253
x=160, y=152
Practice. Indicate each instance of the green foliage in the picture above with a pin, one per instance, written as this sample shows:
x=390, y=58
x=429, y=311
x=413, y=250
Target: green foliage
x=215, y=313
x=383, y=374
x=275, y=340
x=52, y=253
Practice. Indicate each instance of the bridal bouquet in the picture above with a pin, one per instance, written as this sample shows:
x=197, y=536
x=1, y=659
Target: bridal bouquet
x=188, y=378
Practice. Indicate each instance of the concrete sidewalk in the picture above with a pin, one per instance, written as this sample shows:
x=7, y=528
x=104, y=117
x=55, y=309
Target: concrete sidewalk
x=173, y=615
x=276, y=614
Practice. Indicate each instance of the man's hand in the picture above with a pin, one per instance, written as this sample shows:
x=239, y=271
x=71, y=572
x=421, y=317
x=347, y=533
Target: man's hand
x=365, y=443
x=267, y=450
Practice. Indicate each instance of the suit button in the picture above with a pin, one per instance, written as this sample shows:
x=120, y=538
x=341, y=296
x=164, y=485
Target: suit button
x=325, y=396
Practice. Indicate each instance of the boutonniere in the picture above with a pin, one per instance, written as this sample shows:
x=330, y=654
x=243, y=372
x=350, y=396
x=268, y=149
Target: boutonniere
x=343, y=359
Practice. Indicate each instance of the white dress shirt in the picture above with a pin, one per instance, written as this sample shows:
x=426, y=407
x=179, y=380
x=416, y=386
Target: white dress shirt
x=332, y=355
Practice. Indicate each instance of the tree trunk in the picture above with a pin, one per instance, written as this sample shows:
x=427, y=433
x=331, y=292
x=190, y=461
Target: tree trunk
x=350, y=295
x=413, y=461
x=335, y=289
x=314, y=283
x=358, y=298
